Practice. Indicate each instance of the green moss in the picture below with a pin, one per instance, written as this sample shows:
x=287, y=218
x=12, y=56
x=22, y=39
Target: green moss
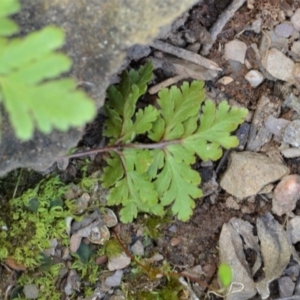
x=87, y=271
x=45, y=282
x=29, y=222
x=113, y=248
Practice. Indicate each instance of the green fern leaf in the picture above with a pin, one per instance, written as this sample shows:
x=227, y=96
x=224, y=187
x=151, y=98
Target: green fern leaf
x=177, y=183
x=214, y=130
x=161, y=174
x=179, y=105
x=131, y=183
x=113, y=172
x=7, y=26
x=142, y=123
x=9, y=7
x=121, y=105
x=28, y=91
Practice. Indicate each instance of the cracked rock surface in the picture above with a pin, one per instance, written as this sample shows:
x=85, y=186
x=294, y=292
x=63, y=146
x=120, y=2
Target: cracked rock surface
x=98, y=35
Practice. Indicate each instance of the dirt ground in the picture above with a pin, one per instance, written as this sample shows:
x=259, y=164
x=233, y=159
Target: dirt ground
x=185, y=245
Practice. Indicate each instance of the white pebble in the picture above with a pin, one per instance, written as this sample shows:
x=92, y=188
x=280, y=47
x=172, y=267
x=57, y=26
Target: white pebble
x=254, y=77
x=236, y=50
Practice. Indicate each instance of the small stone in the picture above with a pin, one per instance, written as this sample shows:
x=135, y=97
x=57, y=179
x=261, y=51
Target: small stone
x=175, y=241
x=286, y=287
x=225, y=80
x=137, y=52
x=249, y=172
x=297, y=287
x=290, y=152
x=31, y=291
x=255, y=78
x=119, y=262
x=173, y=228
x=295, y=19
x=137, y=248
x=276, y=126
x=279, y=65
x=293, y=271
x=115, y=279
x=291, y=134
x=284, y=30
x=256, y=25
x=73, y=283
x=101, y=260
x=236, y=50
x=156, y=257
x=286, y=194
x=231, y=203
x=293, y=230
x=209, y=270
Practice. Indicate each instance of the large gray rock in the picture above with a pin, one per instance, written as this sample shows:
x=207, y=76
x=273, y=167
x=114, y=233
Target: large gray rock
x=99, y=33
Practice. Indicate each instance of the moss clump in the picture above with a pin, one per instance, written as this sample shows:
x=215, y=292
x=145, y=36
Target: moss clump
x=32, y=220
x=113, y=248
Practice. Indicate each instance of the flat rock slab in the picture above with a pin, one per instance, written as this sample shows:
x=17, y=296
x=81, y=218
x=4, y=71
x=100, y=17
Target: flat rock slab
x=249, y=172
x=98, y=35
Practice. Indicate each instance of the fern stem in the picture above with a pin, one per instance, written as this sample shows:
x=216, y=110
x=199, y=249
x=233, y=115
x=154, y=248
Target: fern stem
x=158, y=145
x=117, y=148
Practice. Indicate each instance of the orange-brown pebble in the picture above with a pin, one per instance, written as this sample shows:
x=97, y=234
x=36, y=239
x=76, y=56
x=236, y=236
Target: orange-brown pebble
x=286, y=195
x=175, y=241
x=101, y=260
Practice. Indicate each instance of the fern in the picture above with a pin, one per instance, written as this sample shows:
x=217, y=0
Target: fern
x=31, y=95
x=149, y=177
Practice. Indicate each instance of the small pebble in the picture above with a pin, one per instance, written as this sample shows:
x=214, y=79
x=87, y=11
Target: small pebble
x=293, y=271
x=236, y=50
x=276, y=126
x=290, y=152
x=209, y=270
x=175, y=242
x=291, y=133
x=297, y=287
x=31, y=291
x=279, y=65
x=115, y=279
x=119, y=262
x=173, y=228
x=284, y=30
x=286, y=194
x=137, y=248
x=293, y=229
x=101, y=260
x=286, y=287
x=255, y=78
x=225, y=80
x=156, y=257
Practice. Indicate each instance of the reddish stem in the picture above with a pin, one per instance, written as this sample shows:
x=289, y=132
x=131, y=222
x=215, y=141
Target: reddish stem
x=117, y=148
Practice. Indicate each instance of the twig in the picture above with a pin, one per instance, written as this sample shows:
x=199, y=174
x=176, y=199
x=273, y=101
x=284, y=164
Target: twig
x=221, y=22
x=185, y=54
x=193, y=296
x=156, y=88
x=17, y=185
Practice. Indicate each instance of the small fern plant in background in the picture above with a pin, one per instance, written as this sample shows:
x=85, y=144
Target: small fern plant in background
x=29, y=90
x=147, y=177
